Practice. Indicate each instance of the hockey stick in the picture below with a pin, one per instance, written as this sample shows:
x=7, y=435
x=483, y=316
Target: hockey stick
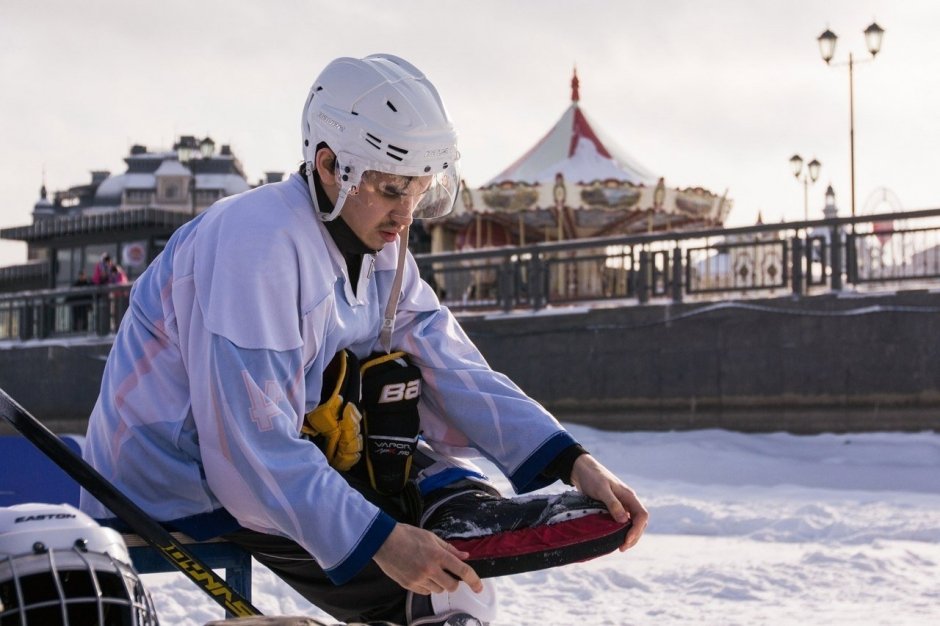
x=119, y=504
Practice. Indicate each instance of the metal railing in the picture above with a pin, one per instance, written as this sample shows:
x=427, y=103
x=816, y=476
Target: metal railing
x=69, y=311
x=880, y=251
x=885, y=251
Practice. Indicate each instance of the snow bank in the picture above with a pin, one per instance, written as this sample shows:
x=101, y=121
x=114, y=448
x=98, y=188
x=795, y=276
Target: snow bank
x=745, y=529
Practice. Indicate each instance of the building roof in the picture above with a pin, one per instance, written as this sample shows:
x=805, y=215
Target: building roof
x=574, y=148
x=68, y=226
x=229, y=183
x=171, y=167
x=113, y=186
x=218, y=172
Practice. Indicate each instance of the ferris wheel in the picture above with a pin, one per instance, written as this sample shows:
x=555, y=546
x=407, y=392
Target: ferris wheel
x=883, y=200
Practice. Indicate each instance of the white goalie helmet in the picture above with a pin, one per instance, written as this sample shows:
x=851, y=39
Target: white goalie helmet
x=381, y=114
x=58, y=567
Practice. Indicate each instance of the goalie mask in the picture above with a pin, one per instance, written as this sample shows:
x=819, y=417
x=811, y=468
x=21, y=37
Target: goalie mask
x=380, y=115
x=59, y=567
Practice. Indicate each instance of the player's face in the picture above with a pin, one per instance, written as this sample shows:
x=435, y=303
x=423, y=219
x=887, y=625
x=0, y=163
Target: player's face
x=383, y=206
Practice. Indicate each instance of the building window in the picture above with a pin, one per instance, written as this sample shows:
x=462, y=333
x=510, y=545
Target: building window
x=138, y=196
x=65, y=267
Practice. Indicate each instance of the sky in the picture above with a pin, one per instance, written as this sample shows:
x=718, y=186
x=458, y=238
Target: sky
x=829, y=529
x=714, y=94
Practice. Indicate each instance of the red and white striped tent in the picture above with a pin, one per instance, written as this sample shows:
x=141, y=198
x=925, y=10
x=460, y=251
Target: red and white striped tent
x=574, y=183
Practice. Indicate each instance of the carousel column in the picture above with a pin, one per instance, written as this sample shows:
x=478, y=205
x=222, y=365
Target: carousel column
x=477, y=279
x=558, y=193
x=438, y=235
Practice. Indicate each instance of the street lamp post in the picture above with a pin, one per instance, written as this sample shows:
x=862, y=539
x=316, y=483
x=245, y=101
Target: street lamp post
x=809, y=177
x=827, y=48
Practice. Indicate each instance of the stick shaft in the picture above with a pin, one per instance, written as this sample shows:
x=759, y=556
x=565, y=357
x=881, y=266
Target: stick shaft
x=136, y=518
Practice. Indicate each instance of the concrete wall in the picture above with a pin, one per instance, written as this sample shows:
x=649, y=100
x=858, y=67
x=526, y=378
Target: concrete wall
x=58, y=383
x=814, y=364
x=826, y=363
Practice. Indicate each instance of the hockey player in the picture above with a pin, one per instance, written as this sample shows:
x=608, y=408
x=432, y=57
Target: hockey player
x=228, y=402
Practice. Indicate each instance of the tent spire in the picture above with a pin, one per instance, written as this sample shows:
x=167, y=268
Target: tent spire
x=575, y=96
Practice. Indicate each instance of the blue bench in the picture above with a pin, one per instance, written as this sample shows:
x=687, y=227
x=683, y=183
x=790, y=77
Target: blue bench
x=28, y=475
x=216, y=553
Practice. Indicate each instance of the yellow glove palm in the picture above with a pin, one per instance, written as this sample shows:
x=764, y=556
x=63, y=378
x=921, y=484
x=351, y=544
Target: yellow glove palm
x=339, y=427
x=337, y=421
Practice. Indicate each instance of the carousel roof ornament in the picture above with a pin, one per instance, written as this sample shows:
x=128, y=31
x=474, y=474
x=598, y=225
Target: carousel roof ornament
x=575, y=183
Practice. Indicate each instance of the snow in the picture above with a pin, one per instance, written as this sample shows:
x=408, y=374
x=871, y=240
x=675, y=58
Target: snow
x=745, y=529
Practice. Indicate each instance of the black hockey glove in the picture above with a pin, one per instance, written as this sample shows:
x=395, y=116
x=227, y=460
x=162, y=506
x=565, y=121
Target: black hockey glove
x=391, y=388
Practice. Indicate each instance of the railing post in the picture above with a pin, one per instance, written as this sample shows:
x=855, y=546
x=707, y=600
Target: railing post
x=504, y=285
x=46, y=318
x=536, y=277
x=851, y=259
x=102, y=313
x=796, y=259
x=26, y=320
x=836, y=259
x=643, y=278
x=808, y=249
x=677, y=274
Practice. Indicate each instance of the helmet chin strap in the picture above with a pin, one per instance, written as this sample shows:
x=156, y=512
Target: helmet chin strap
x=312, y=186
x=388, y=322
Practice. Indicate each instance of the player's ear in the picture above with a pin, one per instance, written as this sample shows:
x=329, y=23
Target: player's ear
x=325, y=162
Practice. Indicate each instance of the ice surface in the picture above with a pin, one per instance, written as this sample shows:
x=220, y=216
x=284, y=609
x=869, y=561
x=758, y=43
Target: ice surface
x=745, y=529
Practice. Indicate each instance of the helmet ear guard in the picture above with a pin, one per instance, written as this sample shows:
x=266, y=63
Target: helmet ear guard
x=380, y=113
x=347, y=183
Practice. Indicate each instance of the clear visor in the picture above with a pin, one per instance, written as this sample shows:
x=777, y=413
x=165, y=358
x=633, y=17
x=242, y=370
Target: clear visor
x=431, y=195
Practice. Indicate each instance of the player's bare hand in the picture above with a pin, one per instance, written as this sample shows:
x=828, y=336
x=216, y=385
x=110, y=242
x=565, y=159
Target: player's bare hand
x=422, y=562
x=596, y=481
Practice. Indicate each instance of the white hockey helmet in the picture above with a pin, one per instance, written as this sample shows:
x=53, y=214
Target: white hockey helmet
x=59, y=567
x=381, y=114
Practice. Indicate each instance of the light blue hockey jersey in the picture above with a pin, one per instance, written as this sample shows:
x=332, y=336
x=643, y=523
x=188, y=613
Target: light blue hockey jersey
x=223, y=350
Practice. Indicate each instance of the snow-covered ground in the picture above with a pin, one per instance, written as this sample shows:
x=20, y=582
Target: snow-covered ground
x=745, y=529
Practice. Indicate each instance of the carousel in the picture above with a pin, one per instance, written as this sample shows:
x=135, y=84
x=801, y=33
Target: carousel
x=573, y=184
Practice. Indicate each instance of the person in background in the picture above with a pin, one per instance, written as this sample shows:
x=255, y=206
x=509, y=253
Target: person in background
x=227, y=404
x=102, y=272
x=117, y=275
